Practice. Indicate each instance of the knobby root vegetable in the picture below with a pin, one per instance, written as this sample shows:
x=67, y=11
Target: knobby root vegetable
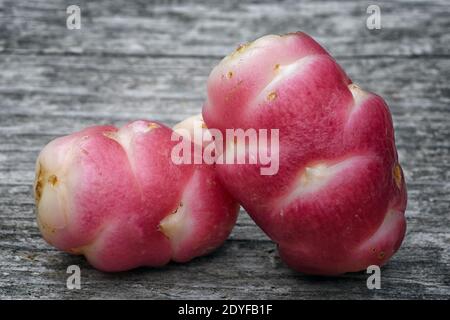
x=115, y=196
x=337, y=203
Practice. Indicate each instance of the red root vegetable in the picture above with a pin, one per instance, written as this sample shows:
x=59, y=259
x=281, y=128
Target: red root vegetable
x=115, y=196
x=337, y=203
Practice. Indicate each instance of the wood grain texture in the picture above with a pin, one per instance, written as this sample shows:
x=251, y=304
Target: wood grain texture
x=141, y=59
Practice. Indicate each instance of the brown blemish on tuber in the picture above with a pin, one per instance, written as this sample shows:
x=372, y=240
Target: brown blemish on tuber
x=271, y=96
x=39, y=184
x=398, y=176
x=152, y=126
x=53, y=180
x=240, y=49
x=43, y=177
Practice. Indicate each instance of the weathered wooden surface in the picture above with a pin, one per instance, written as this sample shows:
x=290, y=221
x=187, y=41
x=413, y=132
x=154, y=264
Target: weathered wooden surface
x=138, y=59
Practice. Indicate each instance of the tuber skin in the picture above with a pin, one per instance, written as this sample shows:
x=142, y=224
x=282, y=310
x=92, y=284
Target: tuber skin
x=115, y=196
x=337, y=203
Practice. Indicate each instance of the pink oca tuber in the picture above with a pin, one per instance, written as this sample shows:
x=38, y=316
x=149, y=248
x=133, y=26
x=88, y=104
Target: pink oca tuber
x=115, y=196
x=337, y=202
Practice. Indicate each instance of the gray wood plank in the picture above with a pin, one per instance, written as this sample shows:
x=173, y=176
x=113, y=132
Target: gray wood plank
x=124, y=88
x=211, y=28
